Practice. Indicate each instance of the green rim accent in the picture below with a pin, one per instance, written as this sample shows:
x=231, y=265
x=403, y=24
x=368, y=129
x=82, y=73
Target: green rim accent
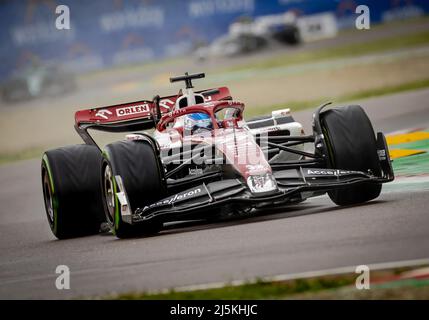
x=117, y=216
x=45, y=160
x=55, y=203
x=328, y=146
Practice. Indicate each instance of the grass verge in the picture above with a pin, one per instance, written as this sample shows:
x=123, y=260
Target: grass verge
x=387, y=44
x=25, y=154
x=385, y=284
x=250, y=291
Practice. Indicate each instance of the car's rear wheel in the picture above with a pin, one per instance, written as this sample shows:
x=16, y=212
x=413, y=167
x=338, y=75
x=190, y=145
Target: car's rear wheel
x=289, y=36
x=138, y=165
x=71, y=190
x=351, y=145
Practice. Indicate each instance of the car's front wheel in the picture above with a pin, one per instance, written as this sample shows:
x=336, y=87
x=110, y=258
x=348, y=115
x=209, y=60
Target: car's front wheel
x=138, y=166
x=351, y=145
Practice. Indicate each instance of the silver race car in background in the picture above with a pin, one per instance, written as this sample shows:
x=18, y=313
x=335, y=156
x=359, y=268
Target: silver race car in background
x=247, y=36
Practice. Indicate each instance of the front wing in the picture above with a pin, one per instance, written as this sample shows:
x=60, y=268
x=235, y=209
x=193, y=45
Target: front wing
x=292, y=185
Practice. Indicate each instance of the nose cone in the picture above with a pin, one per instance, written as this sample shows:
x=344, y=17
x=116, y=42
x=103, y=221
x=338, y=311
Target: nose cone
x=262, y=184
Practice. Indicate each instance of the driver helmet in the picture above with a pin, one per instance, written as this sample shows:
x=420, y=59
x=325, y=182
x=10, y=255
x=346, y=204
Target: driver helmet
x=196, y=121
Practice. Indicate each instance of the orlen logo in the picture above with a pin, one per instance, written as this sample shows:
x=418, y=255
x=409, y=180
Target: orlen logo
x=167, y=104
x=103, y=113
x=141, y=108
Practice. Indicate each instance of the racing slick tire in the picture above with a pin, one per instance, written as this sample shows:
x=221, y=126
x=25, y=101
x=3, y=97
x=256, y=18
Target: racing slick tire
x=351, y=145
x=290, y=36
x=71, y=190
x=140, y=169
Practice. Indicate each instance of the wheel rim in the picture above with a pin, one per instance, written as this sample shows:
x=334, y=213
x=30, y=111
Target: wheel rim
x=48, y=197
x=109, y=192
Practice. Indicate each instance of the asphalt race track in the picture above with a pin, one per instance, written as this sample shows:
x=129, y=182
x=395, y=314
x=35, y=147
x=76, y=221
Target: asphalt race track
x=312, y=236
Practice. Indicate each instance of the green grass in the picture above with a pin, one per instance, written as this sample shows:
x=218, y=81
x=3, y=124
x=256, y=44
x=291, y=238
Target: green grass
x=387, y=44
x=300, y=105
x=21, y=155
x=402, y=292
x=258, y=290
x=324, y=287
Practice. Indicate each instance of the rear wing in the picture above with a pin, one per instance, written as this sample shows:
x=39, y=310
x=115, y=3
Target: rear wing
x=133, y=116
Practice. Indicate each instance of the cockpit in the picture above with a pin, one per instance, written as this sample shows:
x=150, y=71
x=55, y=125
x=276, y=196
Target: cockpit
x=200, y=121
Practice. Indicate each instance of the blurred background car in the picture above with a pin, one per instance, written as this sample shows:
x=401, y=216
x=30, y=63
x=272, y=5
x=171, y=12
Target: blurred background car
x=281, y=27
x=247, y=36
x=232, y=45
x=37, y=80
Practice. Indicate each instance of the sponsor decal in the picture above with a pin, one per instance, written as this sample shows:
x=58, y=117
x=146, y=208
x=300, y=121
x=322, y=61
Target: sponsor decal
x=166, y=103
x=258, y=182
x=178, y=112
x=138, y=16
x=327, y=172
x=195, y=171
x=269, y=129
x=103, y=113
x=232, y=102
x=254, y=168
x=189, y=194
x=281, y=113
x=381, y=154
x=261, y=183
x=130, y=110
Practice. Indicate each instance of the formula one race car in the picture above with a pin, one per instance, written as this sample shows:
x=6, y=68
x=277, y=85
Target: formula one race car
x=202, y=160
x=37, y=81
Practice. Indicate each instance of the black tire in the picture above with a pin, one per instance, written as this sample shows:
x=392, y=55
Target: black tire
x=71, y=190
x=290, y=36
x=138, y=164
x=351, y=145
x=295, y=37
